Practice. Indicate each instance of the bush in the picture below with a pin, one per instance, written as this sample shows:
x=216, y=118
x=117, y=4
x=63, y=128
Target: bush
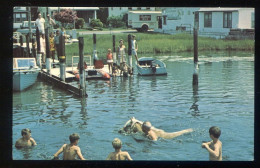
x=96, y=23
x=116, y=21
x=80, y=23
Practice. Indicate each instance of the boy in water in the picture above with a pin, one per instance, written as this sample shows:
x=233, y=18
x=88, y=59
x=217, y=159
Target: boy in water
x=26, y=140
x=214, y=147
x=118, y=154
x=70, y=151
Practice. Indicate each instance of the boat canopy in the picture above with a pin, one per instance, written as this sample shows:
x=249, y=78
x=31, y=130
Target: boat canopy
x=23, y=63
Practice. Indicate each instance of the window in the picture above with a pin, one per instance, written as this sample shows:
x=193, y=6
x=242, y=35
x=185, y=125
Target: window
x=164, y=20
x=144, y=17
x=148, y=8
x=24, y=18
x=227, y=19
x=130, y=8
x=18, y=17
x=208, y=19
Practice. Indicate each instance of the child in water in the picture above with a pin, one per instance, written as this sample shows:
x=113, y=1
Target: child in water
x=70, y=151
x=214, y=147
x=26, y=140
x=118, y=154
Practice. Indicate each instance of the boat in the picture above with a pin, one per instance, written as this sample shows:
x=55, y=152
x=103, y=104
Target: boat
x=25, y=72
x=150, y=66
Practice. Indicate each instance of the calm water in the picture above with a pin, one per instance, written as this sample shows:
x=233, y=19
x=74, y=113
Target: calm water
x=224, y=97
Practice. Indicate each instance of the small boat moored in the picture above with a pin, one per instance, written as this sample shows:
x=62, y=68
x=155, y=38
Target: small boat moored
x=150, y=66
x=25, y=72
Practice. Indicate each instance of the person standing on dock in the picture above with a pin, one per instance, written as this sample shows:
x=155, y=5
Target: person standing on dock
x=50, y=23
x=121, y=54
x=52, y=47
x=26, y=140
x=118, y=154
x=57, y=43
x=70, y=151
x=134, y=48
x=40, y=24
x=109, y=60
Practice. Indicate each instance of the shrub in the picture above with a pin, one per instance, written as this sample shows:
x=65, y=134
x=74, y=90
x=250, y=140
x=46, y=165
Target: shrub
x=80, y=23
x=116, y=21
x=96, y=23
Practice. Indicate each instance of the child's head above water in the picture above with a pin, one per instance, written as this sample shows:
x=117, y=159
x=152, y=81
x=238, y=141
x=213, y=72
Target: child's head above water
x=215, y=131
x=74, y=137
x=117, y=144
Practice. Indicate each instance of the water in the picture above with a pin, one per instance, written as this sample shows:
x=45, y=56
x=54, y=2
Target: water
x=224, y=97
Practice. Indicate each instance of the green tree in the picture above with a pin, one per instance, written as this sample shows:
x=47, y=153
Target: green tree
x=66, y=16
x=116, y=21
x=96, y=23
x=80, y=23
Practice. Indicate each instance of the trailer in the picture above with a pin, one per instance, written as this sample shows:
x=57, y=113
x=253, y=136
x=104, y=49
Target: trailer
x=144, y=20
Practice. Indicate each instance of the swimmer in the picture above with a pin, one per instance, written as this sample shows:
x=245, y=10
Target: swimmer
x=118, y=154
x=26, y=140
x=214, y=147
x=134, y=125
x=70, y=151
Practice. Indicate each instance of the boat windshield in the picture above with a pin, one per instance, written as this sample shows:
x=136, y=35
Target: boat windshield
x=25, y=63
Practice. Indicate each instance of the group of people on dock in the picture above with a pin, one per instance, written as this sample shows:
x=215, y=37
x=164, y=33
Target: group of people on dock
x=72, y=151
x=53, y=39
x=120, y=64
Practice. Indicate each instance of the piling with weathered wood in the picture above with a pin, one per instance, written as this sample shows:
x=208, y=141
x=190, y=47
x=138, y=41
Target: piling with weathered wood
x=39, y=54
x=130, y=50
x=82, y=75
x=48, y=54
x=62, y=58
x=195, y=45
x=114, y=49
x=21, y=45
x=27, y=46
x=33, y=48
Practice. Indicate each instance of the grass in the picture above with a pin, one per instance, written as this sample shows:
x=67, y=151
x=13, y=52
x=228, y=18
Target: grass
x=156, y=43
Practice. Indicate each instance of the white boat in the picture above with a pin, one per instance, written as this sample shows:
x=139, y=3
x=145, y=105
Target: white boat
x=25, y=72
x=150, y=66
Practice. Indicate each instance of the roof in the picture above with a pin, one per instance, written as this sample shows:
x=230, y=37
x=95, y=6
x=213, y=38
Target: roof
x=145, y=11
x=76, y=8
x=220, y=9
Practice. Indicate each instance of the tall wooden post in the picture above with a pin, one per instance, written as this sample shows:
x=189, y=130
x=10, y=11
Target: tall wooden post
x=39, y=54
x=21, y=46
x=195, y=44
x=82, y=71
x=27, y=46
x=130, y=51
x=48, y=55
x=62, y=58
x=29, y=23
x=33, y=48
x=94, y=48
x=114, y=49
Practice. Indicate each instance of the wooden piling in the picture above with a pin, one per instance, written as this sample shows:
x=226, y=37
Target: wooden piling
x=81, y=68
x=39, y=54
x=114, y=49
x=62, y=58
x=33, y=48
x=27, y=46
x=21, y=46
x=94, y=48
x=195, y=44
x=130, y=60
x=48, y=54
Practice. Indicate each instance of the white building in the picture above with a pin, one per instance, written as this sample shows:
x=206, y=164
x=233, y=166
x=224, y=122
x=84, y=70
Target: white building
x=120, y=11
x=211, y=21
x=20, y=14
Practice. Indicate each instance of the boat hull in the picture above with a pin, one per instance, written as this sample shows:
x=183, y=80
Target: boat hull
x=150, y=66
x=23, y=79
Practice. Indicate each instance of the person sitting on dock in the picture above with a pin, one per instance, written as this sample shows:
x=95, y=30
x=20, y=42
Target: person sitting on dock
x=118, y=154
x=70, y=151
x=133, y=126
x=26, y=140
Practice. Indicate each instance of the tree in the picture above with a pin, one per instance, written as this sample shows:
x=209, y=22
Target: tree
x=66, y=16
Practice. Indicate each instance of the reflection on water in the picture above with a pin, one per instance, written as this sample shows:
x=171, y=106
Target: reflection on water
x=173, y=102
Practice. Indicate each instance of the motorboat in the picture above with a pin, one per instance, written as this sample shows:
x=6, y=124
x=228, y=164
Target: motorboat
x=25, y=72
x=150, y=66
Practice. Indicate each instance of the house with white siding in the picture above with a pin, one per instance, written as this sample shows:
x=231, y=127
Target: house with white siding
x=212, y=22
x=121, y=11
